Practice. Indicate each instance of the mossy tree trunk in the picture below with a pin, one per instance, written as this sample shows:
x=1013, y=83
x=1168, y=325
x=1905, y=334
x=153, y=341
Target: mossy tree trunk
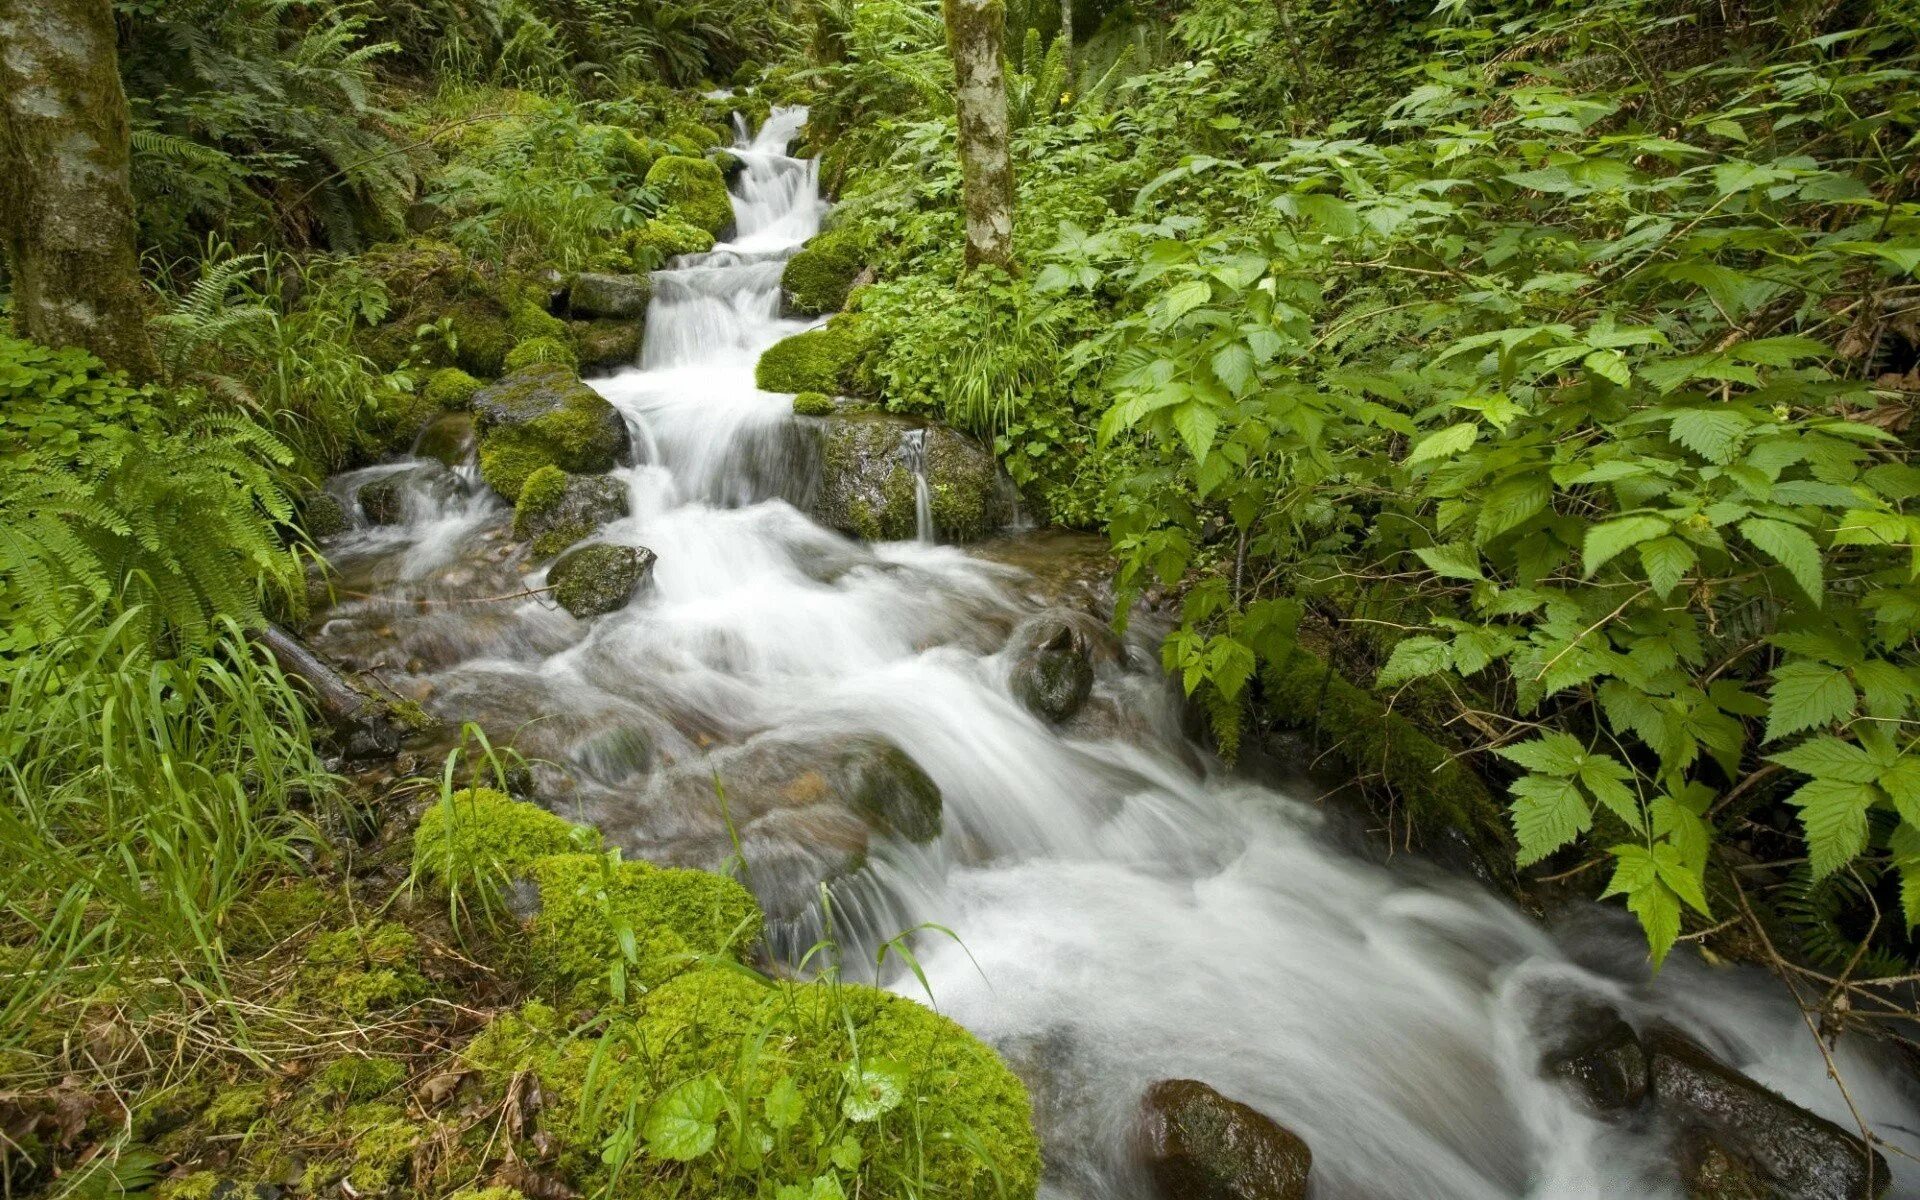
x=1066, y=39
x=975, y=29
x=66, y=203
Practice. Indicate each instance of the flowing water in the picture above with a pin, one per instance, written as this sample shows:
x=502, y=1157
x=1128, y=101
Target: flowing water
x=1135, y=911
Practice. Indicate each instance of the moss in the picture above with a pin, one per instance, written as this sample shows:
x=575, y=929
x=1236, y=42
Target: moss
x=235, y=1109
x=692, y=136
x=528, y=321
x=543, y=415
x=357, y=1078
x=817, y=279
x=321, y=515
x=542, y=490
x=505, y=463
x=710, y=1021
x=198, y=1186
x=383, y=1142
x=607, y=345
x=597, y=579
x=813, y=404
x=276, y=913
x=450, y=388
x=1436, y=791
x=541, y=350
x=651, y=245
x=556, y=509
x=363, y=969
x=694, y=192
x=673, y=914
x=967, y=502
x=819, y=360
x=480, y=829
x=481, y=337
x=492, y=1193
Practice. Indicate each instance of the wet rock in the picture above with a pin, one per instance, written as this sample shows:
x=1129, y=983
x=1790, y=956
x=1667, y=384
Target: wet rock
x=1600, y=1058
x=600, y=578
x=448, y=438
x=817, y=280
x=1199, y=1145
x=596, y=296
x=1055, y=676
x=543, y=415
x=321, y=515
x=1710, y=1171
x=384, y=500
x=1800, y=1156
x=868, y=467
x=557, y=509
x=607, y=345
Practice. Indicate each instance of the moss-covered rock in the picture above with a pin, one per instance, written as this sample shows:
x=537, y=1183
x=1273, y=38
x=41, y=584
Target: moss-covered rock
x=480, y=832
x=590, y=904
x=820, y=360
x=694, y=192
x=544, y=416
x=449, y=438
x=321, y=515
x=867, y=479
x=817, y=279
x=592, y=580
x=535, y=351
x=607, y=345
x=920, y=1080
x=662, y=238
x=556, y=509
x=596, y=295
x=392, y=426
x=813, y=404
x=450, y=388
x=529, y=320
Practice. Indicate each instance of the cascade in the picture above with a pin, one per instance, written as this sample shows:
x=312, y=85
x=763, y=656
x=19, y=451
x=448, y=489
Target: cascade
x=1126, y=909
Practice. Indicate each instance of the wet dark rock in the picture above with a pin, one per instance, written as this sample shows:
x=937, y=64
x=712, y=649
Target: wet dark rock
x=1710, y=1171
x=1199, y=1145
x=448, y=438
x=607, y=345
x=321, y=515
x=867, y=479
x=600, y=578
x=556, y=510
x=890, y=790
x=1054, y=677
x=609, y=297
x=384, y=500
x=1800, y=1156
x=1600, y=1058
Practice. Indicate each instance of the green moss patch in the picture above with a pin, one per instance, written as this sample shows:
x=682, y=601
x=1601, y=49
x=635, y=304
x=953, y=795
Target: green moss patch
x=817, y=279
x=535, y=351
x=820, y=360
x=662, y=238
x=694, y=191
x=543, y=415
x=450, y=388
x=813, y=404
x=480, y=830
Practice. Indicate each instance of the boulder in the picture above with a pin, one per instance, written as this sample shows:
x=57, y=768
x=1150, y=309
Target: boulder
x=388, y=499
x=817, y=280
x=1752, y=1130
x=868, y=463
x=607, y=345
x=1199, y=1145
x=321, y=515
x=1600, y=1058
x=596, y=579
x=448, y=438
x=695, y=192
x=1054, y=677
x=556, y=509
x=544, y=416
x=1709, y=1171
x=595, y=296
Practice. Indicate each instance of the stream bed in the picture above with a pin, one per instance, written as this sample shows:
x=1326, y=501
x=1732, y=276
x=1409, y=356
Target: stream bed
x=1126, y=909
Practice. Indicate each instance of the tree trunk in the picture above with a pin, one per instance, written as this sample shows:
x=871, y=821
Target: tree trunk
x=974, y=32
x=66, y=203
x=1066, y=40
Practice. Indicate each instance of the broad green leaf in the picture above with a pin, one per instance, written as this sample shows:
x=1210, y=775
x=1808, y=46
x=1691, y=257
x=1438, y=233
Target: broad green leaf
x=847, y=1153
x=1558, y=754
x=1710, y=433
x=1451, y=562
x=1793, y=548
x=1901, y=783
x=784, y=1105
x=1197, y=425
x=1609, y=365
x=1233, y=364
x=1636, y=875
x=1444, y=443
x=1183, y=298
x=681, y=1125
x=874, y=1089
x=1834, y=814
x=1667, y=561
x=1414, y=658
x=1547, y=814
x=1806, y=695
x=1683, y=879
x=1905, y=844
x=1611, y=537
x=1829, y=758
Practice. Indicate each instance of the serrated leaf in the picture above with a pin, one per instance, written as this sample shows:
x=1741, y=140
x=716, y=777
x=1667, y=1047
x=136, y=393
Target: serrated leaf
x=1559, y=754
x=1834, y=815
x=1547, y=813
x=1183, y=298
x=847, y=1153
x=1605, y=778
x=1452, y=562
x=1443, y=443
x=1710, y=433
x=1829, y=758
x=1793, y=548
x=1609, y=365
x=1233, y=365
x=1197, y=425
x=1636, y=876
x=1901, y=783
x=1414, y=658
x=874, y=1089
x=1609, y=538
x=1684, y=880
x=1806, y=695
x=681, y=1125
x=1666, y=561
x=1905, y=845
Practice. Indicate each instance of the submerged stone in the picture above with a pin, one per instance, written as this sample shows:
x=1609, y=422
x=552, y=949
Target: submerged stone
x=1802, y=1156
x=1199, y=1145
x=383, y=501
x=1600, y=1058
x=448, y=438
x=1055, y=676
x=600, y=578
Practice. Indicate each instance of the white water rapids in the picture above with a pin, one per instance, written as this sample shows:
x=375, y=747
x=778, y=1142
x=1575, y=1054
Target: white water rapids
x=1136, y=912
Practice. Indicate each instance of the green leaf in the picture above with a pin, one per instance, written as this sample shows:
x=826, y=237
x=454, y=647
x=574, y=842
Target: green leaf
x=784, y=1105
x=1905, y=844
x=874, y=1089
x=1806, y=695
x=1667, y=561
x=1685, y=880
x=1901, y=783
x=1444, y=443
x=1611, y=537
x=1710, y=433
x=1829, y=758
x=1185, y=297
x=1547, y=814
x=1636, y=875
x=1558, y=754
x=1233, y=364
x=1793, y=548
x=1605, y=778
x=1414, y=658
x=1456, y=561
x=847, y=1153
x=1609, y=365
x=1197, y=424
x=1834, y=814
x=681, y=1125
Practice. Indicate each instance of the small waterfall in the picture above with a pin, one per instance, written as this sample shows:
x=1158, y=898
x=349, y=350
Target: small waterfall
x=916, y=447
x=1127, y=910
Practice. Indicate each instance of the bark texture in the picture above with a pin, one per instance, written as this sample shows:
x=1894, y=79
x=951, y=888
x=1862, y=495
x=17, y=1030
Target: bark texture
x=1066, y=39
x=66, y=203
x=975, y=29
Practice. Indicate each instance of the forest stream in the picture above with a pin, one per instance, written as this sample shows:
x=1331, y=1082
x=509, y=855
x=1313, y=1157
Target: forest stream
x=1125, y=908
